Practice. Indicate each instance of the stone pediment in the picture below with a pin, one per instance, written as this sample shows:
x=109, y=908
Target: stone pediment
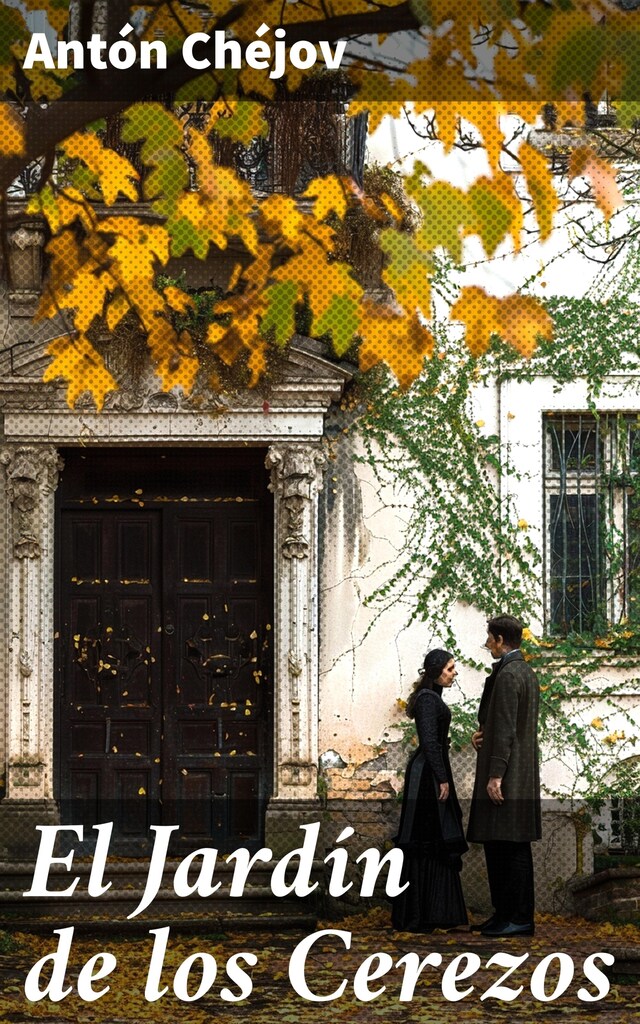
x=305, y=378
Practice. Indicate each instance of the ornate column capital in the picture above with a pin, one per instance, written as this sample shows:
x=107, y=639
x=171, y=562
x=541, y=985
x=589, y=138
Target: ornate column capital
x=26, y=237
x=32, y=472
x=296, y=476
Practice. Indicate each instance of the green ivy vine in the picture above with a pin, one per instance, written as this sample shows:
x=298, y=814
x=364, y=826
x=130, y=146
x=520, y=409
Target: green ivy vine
x=463, y=543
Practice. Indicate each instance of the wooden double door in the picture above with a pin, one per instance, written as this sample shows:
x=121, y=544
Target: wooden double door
x=164, y=624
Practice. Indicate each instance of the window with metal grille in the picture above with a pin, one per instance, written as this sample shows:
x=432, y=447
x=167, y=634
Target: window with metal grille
x=625, y=825
x=592, y=520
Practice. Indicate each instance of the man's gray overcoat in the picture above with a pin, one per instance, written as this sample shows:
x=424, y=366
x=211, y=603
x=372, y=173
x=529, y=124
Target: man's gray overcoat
x=508, y=716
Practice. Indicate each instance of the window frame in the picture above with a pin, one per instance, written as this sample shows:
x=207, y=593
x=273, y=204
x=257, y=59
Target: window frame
x=604, y=557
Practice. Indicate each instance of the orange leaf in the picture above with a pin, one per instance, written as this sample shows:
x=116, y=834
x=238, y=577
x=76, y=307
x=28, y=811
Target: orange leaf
x=11, y=131
x=400, y=342
x=523, y=320
x=587, y=164
x=479, y=313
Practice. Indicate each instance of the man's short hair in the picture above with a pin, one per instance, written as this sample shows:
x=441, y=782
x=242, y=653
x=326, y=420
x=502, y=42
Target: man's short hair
x=508, y=627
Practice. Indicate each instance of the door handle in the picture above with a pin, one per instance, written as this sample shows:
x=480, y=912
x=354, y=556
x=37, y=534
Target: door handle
x=169, y=630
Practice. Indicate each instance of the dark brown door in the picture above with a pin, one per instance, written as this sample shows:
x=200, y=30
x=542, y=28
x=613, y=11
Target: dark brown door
x=164, y=626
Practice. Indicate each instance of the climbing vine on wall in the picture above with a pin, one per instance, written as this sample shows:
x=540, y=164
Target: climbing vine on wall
x=465, y=544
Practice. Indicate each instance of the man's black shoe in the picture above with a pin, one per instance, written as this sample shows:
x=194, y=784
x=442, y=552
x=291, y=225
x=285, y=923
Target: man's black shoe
x=489, y=923
x=500, y=930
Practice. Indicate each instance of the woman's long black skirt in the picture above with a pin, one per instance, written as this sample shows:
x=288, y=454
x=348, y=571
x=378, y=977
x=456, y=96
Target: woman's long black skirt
x=433, y=898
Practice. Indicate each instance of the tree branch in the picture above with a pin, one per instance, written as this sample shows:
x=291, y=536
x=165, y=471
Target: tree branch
x=46, y=127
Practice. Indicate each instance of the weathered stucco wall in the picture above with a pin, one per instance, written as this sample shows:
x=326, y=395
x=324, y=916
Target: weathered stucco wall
x=369, y=657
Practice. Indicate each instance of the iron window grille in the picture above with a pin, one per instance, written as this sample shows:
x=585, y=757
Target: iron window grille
x=591, y=520
x=625, y=825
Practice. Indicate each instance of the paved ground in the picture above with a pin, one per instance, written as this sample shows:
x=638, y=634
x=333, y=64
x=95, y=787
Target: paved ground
x=275, y=985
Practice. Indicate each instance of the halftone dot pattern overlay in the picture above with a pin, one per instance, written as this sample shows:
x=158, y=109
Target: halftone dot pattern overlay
x=424, y=49
x=195, y=371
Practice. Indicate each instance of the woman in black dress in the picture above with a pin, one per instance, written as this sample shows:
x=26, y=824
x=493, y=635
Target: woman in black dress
x=431, y=834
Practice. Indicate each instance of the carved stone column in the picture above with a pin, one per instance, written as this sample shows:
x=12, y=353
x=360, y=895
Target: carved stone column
x=25, y=248
x=296, y=478
x=31, y=478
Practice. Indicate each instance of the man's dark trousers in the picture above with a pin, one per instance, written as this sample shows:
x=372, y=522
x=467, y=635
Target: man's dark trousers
x=510, y=873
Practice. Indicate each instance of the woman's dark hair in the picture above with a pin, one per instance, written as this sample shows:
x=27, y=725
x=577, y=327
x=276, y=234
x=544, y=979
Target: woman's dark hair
x=434, y=663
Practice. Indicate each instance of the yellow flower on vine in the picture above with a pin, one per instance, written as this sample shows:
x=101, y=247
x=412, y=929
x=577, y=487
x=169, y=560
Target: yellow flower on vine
x=523, y=524
x=597, y=723
x=529, y=637
x=614, y=737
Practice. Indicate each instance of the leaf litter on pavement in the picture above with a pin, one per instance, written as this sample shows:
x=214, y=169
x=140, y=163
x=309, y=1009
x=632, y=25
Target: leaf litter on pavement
x=273, y=997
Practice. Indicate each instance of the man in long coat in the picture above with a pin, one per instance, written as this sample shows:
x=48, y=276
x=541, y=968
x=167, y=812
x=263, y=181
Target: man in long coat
x=505, y=808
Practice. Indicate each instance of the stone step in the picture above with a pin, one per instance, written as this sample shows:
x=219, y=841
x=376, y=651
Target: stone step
x=257, y=907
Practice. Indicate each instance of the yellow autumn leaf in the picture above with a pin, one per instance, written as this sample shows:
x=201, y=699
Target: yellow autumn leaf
x=117, y=308
x=540, y=186
x=114, y=173
x=485, y=117
x=317, y=277
x=254, y=80
x=87, y=293
x=177, y=299
x=173, y=357
x=282, y=218
x=330, y=195
x=77, y=362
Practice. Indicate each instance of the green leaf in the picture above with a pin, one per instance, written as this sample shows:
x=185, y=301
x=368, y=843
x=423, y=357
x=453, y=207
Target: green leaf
x=341, y=319
x=245, y=125
x=492, y=216
x=185, y=237
x=153, y=123
x=163, y=138
x=204, y=87
x=421, y=10
x=445, y=210
x=12, y=30
x=280, y=314
x=578, y=59
x=166, y=182
x=628, y=113
x=408, y=271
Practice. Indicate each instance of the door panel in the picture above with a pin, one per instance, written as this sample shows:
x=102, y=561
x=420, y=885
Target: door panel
x=164, y=598
x=214, y=618
x=110, y=735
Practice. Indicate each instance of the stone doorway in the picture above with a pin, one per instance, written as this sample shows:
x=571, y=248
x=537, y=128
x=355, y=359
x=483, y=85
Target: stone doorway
x=163, y=661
